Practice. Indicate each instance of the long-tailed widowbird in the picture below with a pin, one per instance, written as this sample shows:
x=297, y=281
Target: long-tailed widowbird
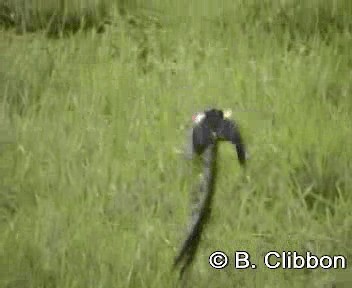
x=210, y=127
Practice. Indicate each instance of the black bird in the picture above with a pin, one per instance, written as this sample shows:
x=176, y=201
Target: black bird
x=213, y=125
x=210, y=127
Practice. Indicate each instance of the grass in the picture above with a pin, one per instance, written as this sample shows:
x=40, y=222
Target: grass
x=92, y=193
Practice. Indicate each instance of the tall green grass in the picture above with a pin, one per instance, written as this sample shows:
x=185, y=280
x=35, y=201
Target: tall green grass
x=92, y=192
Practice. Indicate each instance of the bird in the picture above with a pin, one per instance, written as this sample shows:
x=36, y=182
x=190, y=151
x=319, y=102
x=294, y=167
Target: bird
x=209, y=127
x=214, y=125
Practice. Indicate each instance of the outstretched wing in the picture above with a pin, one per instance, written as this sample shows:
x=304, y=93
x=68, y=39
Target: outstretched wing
x=229, y=131
x=201, y=138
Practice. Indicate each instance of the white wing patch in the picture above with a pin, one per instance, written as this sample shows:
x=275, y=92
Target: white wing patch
x=227, y=113
x=198, y=117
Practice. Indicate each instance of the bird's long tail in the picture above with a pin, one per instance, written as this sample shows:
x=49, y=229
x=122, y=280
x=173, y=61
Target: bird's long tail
x=201, y=216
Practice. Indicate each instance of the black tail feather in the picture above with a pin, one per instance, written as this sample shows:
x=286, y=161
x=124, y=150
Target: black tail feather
x=190, y=245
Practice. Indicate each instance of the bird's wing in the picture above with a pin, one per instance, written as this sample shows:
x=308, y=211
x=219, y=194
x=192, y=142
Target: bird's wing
x=230, y=132
x=201, y=138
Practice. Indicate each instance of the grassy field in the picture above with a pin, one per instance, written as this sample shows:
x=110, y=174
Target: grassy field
x=92, y=193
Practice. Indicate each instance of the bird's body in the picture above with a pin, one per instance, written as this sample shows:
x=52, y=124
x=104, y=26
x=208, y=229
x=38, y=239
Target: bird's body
x=210, y=126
